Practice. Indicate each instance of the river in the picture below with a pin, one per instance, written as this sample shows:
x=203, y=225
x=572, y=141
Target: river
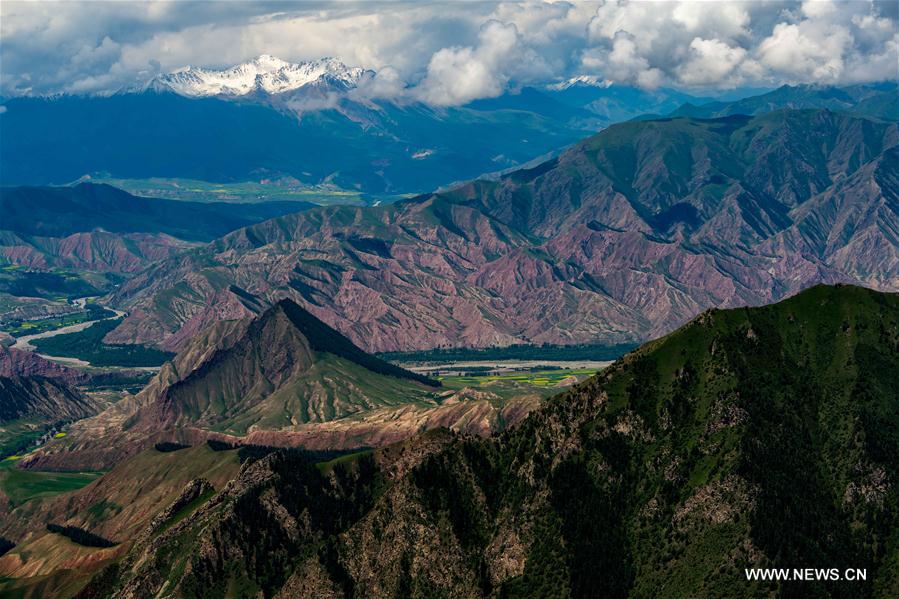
x=24, y=342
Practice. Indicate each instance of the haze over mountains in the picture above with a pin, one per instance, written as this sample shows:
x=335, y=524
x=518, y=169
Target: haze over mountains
x=61, y=211
x=877, y=101
x=318, y=122
x=323, y=122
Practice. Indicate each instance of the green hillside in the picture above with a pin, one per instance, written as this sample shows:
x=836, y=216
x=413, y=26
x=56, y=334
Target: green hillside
x=280, y=369
x=61, y=211
x=759, y=437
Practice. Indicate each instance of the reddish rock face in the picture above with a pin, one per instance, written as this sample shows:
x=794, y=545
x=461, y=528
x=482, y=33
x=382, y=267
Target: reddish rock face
x=622, y=238
x=94, y=251
x=42, y=400
x=19, y=363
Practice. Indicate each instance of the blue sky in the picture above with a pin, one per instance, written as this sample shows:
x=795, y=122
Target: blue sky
x=449, y=53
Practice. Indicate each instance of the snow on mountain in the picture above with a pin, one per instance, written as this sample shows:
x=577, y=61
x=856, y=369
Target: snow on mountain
x=266, y=74
x=583, y=80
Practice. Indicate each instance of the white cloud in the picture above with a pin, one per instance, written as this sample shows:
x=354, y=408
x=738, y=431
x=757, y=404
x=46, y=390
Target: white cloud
x=386, y=83
x=459, y=75
x=818, y=8
x=624, y=63
x=726, y=21
x=715, y=45
x=711, y=62
x=801, y=53
x=454, y=52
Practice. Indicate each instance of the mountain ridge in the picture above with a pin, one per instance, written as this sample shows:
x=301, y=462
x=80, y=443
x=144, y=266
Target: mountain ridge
x=264, y=74
x=269, y=374
x=879, y=101
x=618, y=239
x=100, y=228
x=717, y=448
x=85, y=207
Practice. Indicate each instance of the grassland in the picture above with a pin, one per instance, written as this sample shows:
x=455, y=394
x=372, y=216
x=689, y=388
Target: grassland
x=550, y=353
x=549, y=379
x=17, y=308
x=18, y=435
x=328, y=465
x=23, y=485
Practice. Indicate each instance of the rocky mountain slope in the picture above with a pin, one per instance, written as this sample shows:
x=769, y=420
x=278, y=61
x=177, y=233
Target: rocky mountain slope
x=757, y=437
x=622, y=237
x=37, y=395
x=122, y=505
x=36, y=398
x=33, y=406
x=21, y=363
x=285, y=379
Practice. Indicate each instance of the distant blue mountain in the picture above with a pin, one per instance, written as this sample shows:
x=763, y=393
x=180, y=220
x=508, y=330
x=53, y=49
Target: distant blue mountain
x=371, y=146
x=375, y=147
x=878, y=101
x=86, y=207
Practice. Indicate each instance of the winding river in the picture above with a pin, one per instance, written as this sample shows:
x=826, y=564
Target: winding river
x=24, y=342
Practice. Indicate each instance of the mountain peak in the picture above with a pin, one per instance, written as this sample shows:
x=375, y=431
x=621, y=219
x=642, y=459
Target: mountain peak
x=270, y=62
x=580, y=81
x=264, y=74
x=323, y=338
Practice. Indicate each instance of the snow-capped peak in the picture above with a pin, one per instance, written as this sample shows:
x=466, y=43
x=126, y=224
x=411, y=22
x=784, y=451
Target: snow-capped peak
x=584, y=80
x=264, y=73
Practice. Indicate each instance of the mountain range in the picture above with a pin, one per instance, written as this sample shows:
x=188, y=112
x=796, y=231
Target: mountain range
x=97, y=227
x=263, y=75
x=41, y=401
x=878, y=101
x=621, y=238
x=720, y=447
x=285, y=379
x=317, y=122
x=265, y=446
x=20, y=363
x=268, y=118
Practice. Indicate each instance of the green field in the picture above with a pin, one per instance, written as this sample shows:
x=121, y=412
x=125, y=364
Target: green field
x=328, y=465
x=19, y=435
x=33, y=327
x=538, y=378
x=56, y=284
x=551, y=353
x=241, y=191
x=22, y=485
